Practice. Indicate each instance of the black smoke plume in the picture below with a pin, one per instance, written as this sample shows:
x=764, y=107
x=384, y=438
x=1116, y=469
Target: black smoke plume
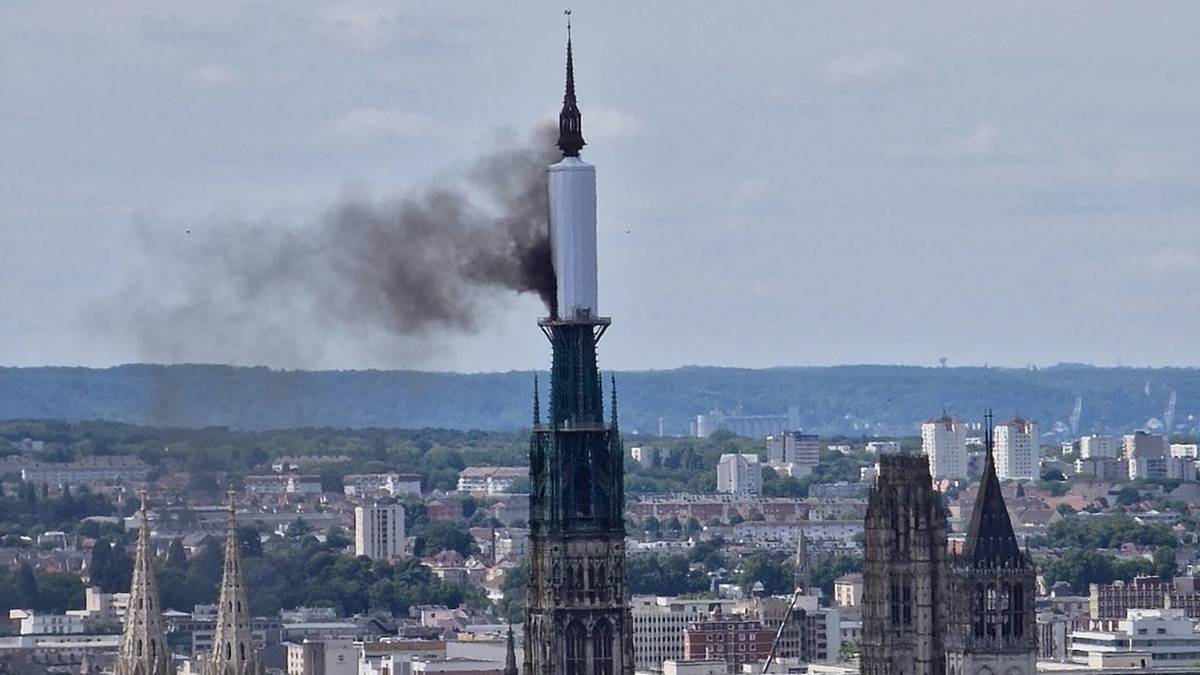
x=428, y=262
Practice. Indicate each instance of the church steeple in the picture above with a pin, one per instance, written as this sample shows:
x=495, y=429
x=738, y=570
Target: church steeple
x=570, y=121
x=233, y=644
x=990, y=538
x=143, y=645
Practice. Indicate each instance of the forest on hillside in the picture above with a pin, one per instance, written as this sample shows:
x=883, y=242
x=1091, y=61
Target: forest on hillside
x=853, y=400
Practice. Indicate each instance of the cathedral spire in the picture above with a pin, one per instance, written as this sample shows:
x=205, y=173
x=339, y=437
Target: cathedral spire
x=233, y=644
x=990, y=538
x=570, y=121
x=143, y=646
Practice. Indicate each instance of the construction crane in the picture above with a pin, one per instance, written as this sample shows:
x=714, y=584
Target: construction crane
x=779, y=633
x=1075, y=415
x=1169, y=416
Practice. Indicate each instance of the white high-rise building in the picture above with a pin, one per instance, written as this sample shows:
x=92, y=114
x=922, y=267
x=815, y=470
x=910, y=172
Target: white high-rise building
x=793, y=453
x=944, y=441
x=379, y=531
x=1017, y=450
x=739, y=474
x=1099, y=446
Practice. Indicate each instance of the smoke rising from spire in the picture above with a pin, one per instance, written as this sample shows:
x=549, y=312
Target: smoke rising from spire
x=424, y=264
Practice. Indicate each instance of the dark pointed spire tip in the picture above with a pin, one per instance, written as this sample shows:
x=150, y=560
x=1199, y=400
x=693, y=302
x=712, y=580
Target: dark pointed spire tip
x=570, y=121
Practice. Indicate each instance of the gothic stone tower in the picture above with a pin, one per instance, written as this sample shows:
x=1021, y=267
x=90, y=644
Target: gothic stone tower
x=904, y=572
x=233, y=643
x=143, y=648
x=993, y=620
x=577, y=619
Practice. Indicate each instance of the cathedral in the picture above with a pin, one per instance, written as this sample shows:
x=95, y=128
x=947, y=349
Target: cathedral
x=929, y=612
x=143, y=649
x=577, y=619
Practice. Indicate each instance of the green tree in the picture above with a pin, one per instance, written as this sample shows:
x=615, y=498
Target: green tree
x=822, y=574
x=444, y=535
x=27, y=595
x=663, y=575
x=776, y=577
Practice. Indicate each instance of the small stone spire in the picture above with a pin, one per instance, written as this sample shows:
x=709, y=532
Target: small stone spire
x=570, y=121
x=233, y=643
x=510, y=662
x=613, y=381
x=143, y=648
x=537, y=406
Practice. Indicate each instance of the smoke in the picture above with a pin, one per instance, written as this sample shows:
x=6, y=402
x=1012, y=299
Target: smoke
x=424, y=264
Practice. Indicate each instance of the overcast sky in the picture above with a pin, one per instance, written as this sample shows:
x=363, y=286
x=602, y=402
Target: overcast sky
x=779, y=183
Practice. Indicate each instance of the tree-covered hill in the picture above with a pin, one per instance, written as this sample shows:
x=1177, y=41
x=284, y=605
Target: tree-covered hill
x=840, y=399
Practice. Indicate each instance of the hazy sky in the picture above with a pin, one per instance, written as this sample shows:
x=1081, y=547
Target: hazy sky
x=780, y=183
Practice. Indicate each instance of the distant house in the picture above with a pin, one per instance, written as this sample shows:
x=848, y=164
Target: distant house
x=108, y=468
x=290, y=484
x=489, y=480
x=367, y=484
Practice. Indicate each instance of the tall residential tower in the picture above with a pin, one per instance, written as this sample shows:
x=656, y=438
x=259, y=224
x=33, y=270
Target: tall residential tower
x=577, y=619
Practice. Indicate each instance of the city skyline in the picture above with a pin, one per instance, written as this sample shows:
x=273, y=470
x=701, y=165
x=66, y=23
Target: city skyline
x=897, y=174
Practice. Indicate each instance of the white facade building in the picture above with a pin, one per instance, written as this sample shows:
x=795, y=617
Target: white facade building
x=1018, y=452
x=883, y=447
x=490, y=480
x=1165, y=635
x=323, y=657
x=659, y=623
x=1096, y=445
x=1188, y=450
x=944, y=441
x=739, y=474
x=286, y=484
x=379, y=531
x=367, y=484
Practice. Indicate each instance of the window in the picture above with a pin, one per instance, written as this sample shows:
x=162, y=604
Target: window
x=576, y=649
x=602, y=648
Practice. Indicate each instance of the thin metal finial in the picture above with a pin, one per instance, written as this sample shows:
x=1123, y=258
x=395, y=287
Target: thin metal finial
x=567, y=12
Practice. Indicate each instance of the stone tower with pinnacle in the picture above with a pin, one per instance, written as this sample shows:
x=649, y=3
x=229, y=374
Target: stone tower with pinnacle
x=993, y=621
x=143, y=648
x=577, y=619
x=233, y=642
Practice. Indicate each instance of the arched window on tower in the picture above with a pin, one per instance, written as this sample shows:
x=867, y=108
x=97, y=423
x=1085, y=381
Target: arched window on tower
x=990, y=606
x=602, y=648
x=1005, y=615
x=576, y=649
x=980, y=610
x=1017, y=609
